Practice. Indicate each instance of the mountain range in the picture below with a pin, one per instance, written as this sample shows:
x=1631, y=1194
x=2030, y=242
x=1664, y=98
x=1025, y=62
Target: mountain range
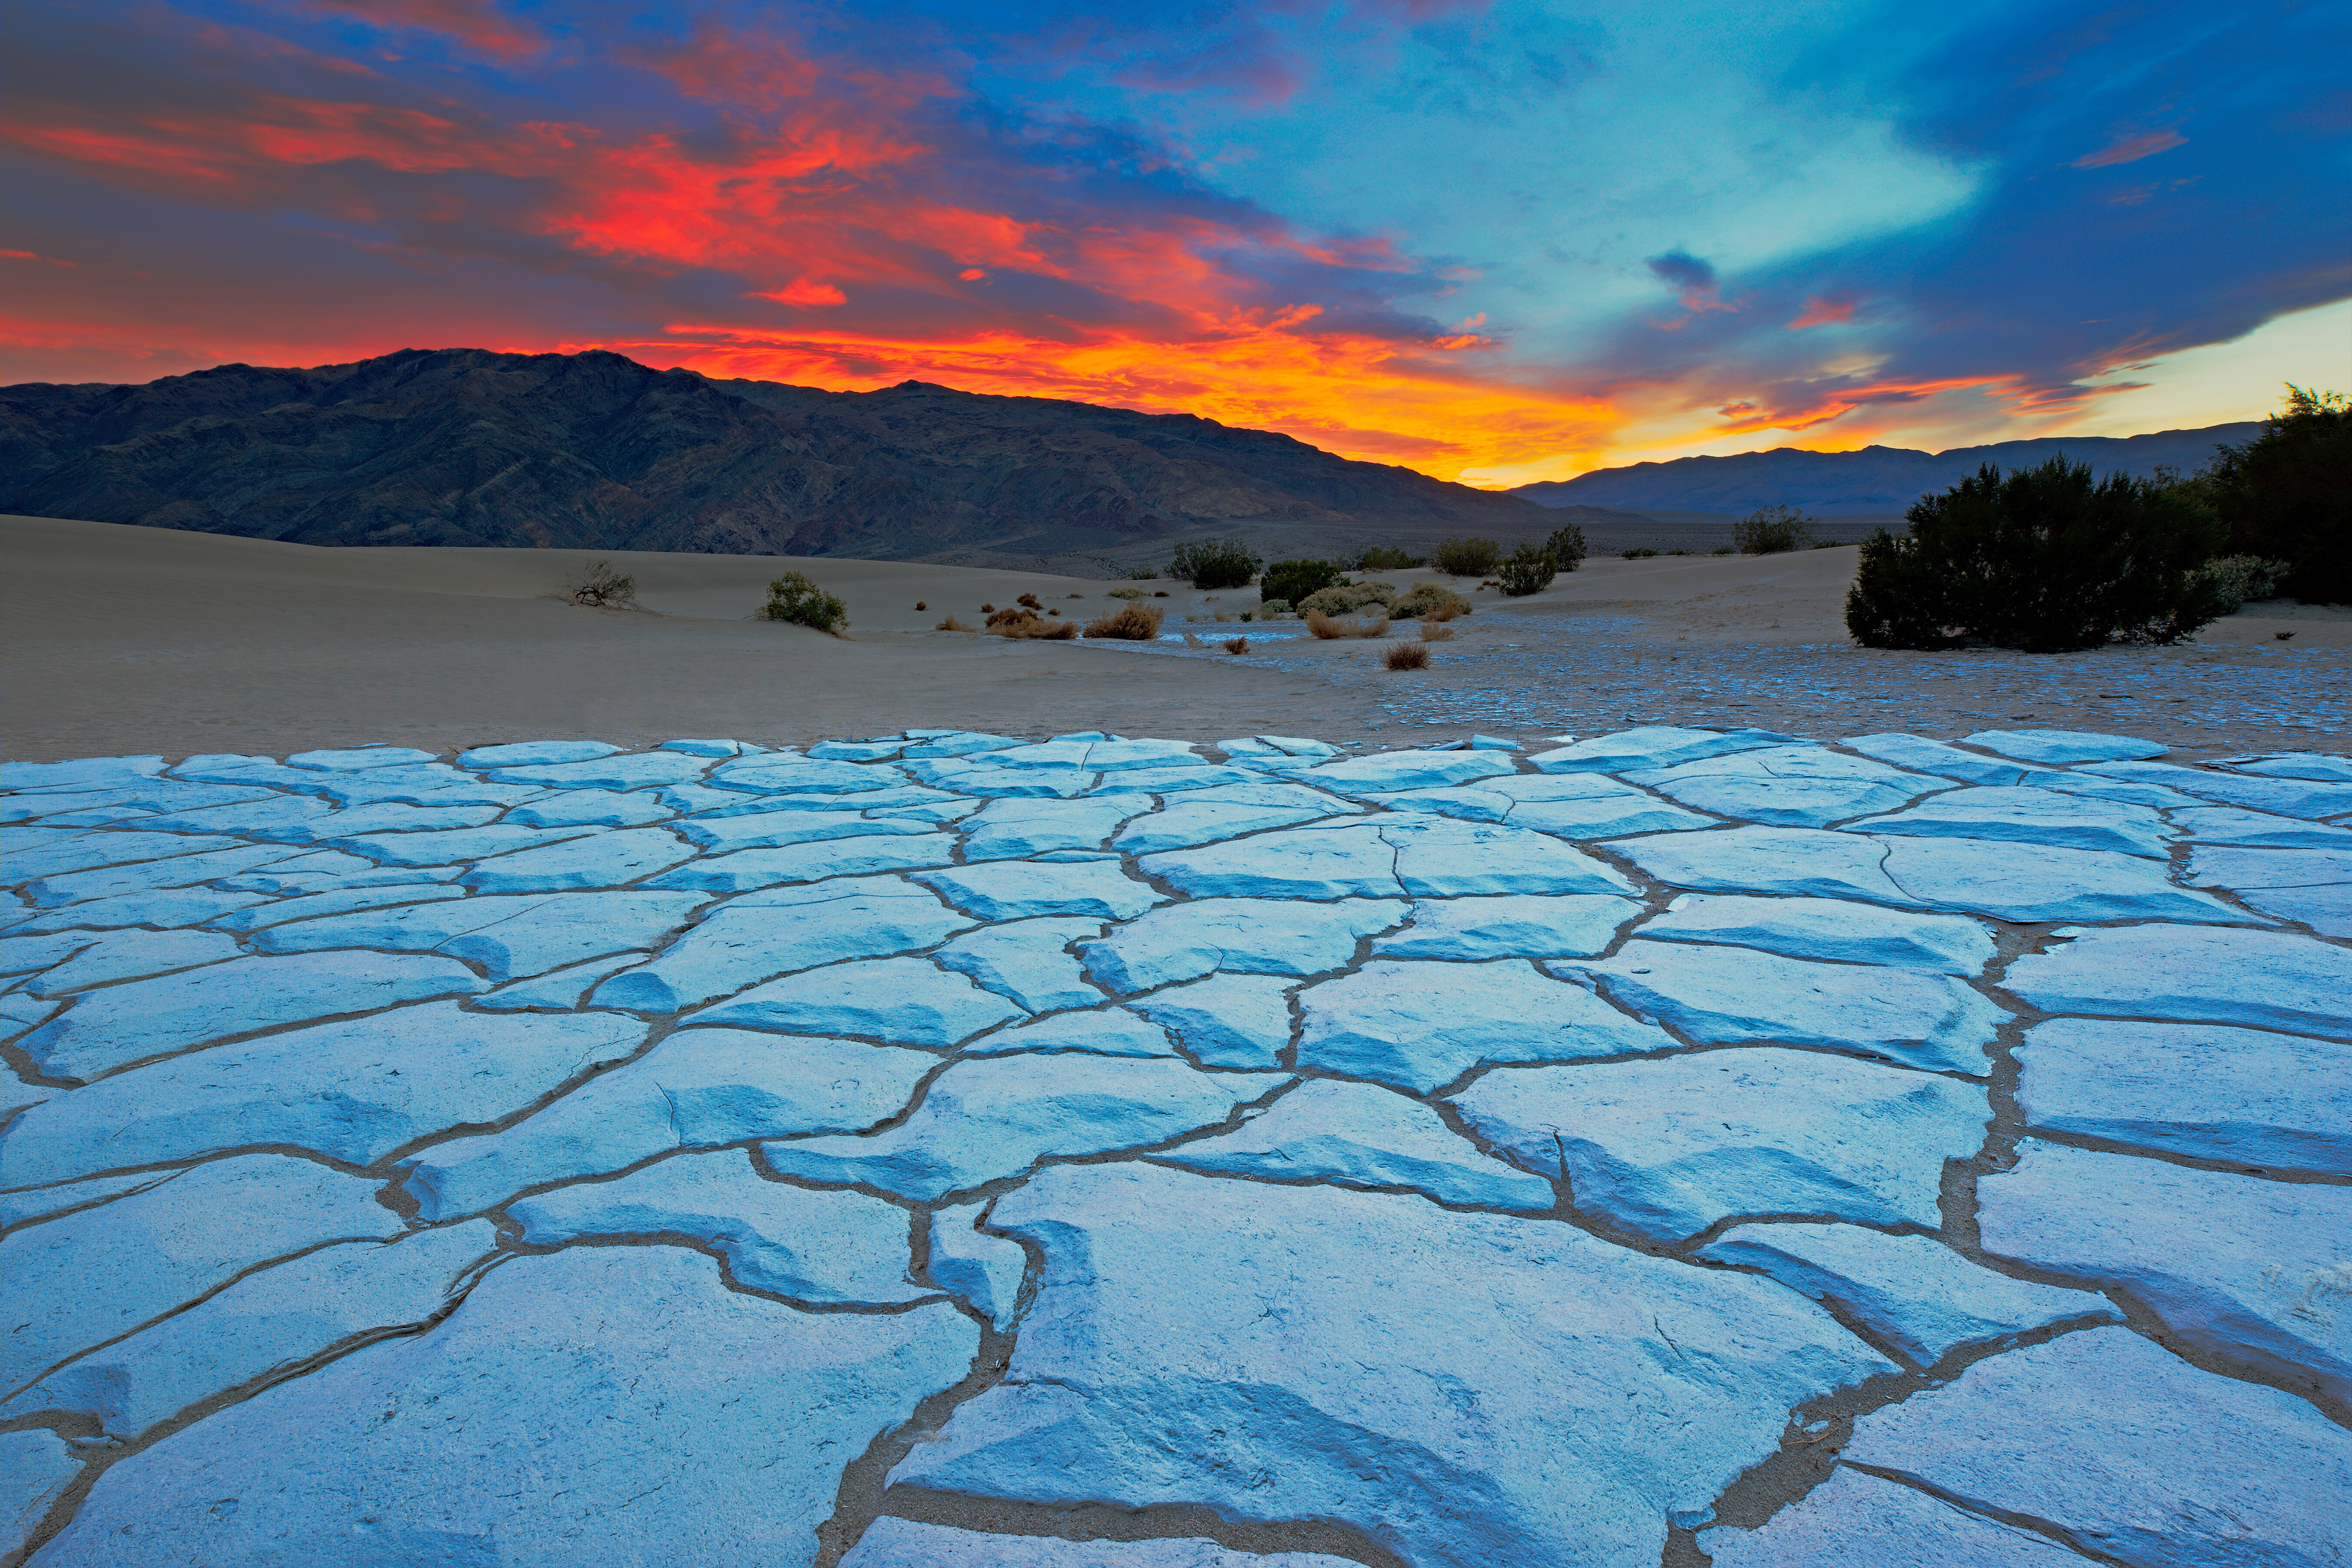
x=1875, y=480
x=464, y=447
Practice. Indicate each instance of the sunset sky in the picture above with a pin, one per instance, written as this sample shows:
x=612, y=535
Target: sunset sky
x=1497, y=242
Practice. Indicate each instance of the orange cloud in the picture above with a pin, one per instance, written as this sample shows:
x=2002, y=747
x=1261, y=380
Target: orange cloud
x=2130, y=150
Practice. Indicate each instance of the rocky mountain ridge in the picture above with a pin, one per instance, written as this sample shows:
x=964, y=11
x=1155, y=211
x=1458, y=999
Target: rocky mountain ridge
x=1875, y=480
x=466, y=447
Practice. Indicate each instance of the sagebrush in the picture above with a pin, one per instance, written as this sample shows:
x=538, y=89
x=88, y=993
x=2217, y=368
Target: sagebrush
x=792, y=597
x=1293, y=580
x=1214, y=563
x=1467, y=557
x=1771, y=529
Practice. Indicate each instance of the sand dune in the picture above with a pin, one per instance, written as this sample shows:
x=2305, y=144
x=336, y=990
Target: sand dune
x=127, y=638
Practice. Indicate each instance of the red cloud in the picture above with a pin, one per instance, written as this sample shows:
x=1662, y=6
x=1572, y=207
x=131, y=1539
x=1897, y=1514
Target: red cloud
x=2130, y=150
x=475, y=22
x=1823, y=310
x=801, y=292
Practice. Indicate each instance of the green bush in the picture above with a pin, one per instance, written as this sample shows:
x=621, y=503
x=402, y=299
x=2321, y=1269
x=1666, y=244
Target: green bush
x=1769, y=530
x=1639, y=555
x=1293, y=580
x=2043, y=559
x=2286, y=495
x=1530, y=570
x=1467, y=557
x=1384, y=558
x=1346, y=598
x=1723, y=549
x=2243, y=578
x=1267, y=610
x=1430, y=599
x=792, y=597
x=1214, y=563
x=1566, y=547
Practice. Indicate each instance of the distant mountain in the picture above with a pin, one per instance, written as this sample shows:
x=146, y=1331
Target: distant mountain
x=463, y=447
x=1877, y=480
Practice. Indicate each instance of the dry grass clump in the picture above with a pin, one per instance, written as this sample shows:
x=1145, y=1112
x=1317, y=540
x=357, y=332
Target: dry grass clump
x=1435, y=631
x=1323, y=625
x=1408, y=656
x=1021, y=622
x=1031, y=600
x=1132, y=622
x=1236, y=645
x=952, y=625
x=1123, y=594
x=920, y=607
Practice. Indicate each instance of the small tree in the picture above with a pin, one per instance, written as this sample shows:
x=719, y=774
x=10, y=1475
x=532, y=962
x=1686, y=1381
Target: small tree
x=1530, y=570
x=792, y=597
x=1293, y=580
x=2287, y=494
x=2044, y=558
x=1214, y=563
x=1467, y=557
x=1567, y=546
x=1771, y=530
x=1384, y=558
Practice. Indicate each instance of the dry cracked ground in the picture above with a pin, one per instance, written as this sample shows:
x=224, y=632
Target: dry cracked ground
x=946, y=1149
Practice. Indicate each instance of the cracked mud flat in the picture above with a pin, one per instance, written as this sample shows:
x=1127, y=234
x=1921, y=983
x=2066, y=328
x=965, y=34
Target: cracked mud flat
x=951, y=1149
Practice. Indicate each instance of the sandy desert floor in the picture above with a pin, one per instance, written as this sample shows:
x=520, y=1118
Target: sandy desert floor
x=137, y=639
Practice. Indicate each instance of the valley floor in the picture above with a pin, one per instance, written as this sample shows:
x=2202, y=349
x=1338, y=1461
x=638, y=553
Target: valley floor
x=141, y=639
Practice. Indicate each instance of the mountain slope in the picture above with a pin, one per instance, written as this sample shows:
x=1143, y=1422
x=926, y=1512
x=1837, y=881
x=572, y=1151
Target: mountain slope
x=465, y=447
x=1877, y=480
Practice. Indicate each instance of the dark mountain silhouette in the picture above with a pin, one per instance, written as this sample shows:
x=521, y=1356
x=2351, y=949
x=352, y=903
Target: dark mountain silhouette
x=463, y=447
x=1874, y=481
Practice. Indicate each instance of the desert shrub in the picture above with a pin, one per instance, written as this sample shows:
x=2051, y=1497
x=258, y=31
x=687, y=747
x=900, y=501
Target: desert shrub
x=988, y=609
x=1727, y=550
x=1567, y=546
x=1435, y=631
x=952, y=625
x=1142, y=575
x=2044, y=558
x=2243, y=578
x=1294, y=580
x=1407, y=656
x=601, y=587
x=1384, y=558
x=2286, y=495
x=1014, y=622
x=1530, y=570
x=1126, y=592
x=1346, y=598
x=1058, y=631
x=1272, y=609
x=1032, y=601
x=1769, y=530
x=1236, y=645
x=1429, y=601
x=1159, y=593
x=792, y=597
x=1641, y=554
x=1467, y=557
x=1191, y=640
x=1133, y=622
x=1214, y=563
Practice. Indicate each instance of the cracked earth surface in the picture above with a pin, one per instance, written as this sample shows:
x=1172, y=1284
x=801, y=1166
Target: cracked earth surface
x=1675, y=1146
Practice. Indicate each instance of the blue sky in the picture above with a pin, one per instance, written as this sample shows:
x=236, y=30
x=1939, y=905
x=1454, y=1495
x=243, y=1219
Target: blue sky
x=1498, y=242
